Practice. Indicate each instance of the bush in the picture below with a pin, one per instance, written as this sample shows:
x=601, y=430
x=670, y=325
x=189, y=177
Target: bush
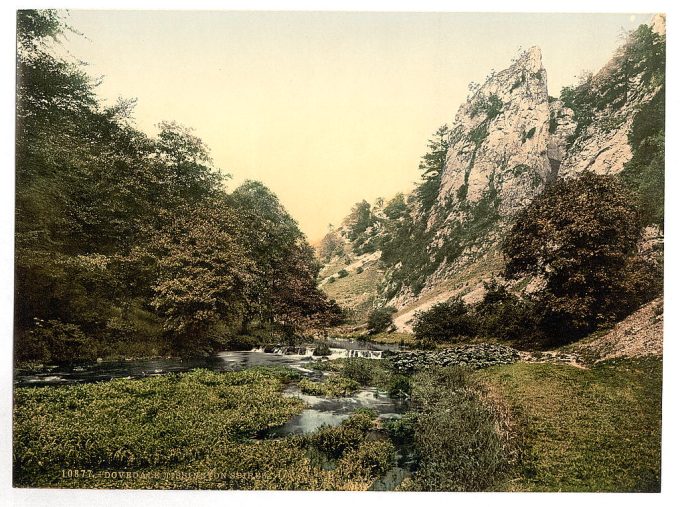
x=358, y=369
x=55, y=341
x=342, y=273
x=360, y=270
x=454, y=434
x=444, y=322
x=322, y=349
x=504, y=315
x=592, y=227
x=334, y=441
x=380, y=319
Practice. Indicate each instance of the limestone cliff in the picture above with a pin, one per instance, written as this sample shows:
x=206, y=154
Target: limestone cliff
x=506, y=143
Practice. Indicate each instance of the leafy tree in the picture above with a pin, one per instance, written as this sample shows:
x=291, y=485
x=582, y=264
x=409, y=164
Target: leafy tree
x=331, y=245
x=396, y=208
x=359, y=219
x=204, y=273
x=380, y=319
x=432, y=165
x=447, y=321
x=580, y=236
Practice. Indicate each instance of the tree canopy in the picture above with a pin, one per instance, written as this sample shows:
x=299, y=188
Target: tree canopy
x=123, y=236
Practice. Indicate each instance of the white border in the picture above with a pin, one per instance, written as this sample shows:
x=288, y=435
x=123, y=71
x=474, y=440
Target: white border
x=56, y=498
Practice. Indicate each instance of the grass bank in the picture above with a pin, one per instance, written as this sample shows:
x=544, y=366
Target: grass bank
x=584, y=430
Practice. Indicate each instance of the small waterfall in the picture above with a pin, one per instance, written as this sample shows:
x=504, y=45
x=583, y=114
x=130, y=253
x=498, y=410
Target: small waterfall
x=336, y=353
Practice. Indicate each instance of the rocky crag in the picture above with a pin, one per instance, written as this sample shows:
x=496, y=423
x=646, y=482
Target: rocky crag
x=506, y=143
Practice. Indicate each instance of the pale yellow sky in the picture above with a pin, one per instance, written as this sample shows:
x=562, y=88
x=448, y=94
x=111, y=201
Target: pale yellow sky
x=324, y=108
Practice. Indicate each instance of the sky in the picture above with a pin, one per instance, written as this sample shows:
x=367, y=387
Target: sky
x=325, y=108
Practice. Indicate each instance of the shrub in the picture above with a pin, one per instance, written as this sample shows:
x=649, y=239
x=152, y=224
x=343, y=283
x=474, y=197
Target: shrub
x=342, y=273
x=322, y=349
x=334, y=441
x=360, y=270
x=56, y=341
x=455, y=438
x=444, y=322
x=380, y=319
x=504, y=315
x=360, y=370
x=333, y=387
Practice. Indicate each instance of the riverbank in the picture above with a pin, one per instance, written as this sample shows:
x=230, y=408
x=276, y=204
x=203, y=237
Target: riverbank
x=197, y=430
x=532, y=426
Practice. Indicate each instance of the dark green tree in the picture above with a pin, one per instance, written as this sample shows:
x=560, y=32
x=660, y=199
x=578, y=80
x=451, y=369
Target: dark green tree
x=448, y=321
x=380, y=320
x=432, y=165
x=579, y=235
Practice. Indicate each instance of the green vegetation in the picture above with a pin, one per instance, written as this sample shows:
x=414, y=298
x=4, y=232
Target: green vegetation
x=528, y=134
x=380, y=320
x=585, y=430
x=127, y=241
x=447, y=321
x=644, y=173
x=397, y=338
x=333, y=386
x=431, y=167
x=643, y=57
x=188, y=431
x=453, y=434
x=592, y=271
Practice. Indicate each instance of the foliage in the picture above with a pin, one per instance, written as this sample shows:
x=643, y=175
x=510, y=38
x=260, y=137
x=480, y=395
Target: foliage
x=642, y=57
x=111, y=223
x=380, y=319
x=188, y=431
x=322, y=349
x=330, y=246
x=457, y=445
x=504, y=315
x=586, y=430
x=57, y=342
x=431, y=166
x=397, y=207
x=334, y=441
x=447, y=321
x=332, y=387
x=359, y=219
x=580, y=236
x=644, y=173
x=343, y=273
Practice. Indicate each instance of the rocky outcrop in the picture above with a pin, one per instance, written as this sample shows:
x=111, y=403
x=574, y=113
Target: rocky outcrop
x=603, y=147
x=508, y=140
x=472, y=356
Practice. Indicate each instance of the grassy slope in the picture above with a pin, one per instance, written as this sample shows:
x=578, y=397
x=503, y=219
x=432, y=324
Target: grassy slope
x=586, y=430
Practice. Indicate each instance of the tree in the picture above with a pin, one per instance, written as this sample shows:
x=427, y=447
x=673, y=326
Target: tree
x=444, y=322
x=580, y=236
x=359, y=219
x=432, y=165
x=331, y=245
x=203, y=273
x=380, y=320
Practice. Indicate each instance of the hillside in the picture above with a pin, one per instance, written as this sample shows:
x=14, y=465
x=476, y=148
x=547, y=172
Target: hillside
x=507, y=143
